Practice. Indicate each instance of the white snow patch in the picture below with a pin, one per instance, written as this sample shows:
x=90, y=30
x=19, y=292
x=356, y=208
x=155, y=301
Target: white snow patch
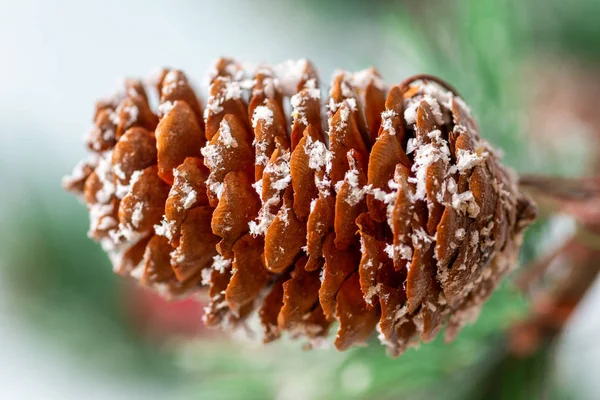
x=138, y=214
x=386, y=121
x=220, y=263
x=262, y=113
x=465, y=203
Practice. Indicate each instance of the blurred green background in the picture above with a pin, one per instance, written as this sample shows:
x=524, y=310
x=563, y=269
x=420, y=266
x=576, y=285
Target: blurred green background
x=529, y=69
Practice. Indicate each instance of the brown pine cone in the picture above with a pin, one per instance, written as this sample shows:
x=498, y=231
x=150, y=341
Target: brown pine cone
x=391, y=213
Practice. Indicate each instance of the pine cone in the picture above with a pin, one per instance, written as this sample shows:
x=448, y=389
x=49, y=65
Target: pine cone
x=392, y=214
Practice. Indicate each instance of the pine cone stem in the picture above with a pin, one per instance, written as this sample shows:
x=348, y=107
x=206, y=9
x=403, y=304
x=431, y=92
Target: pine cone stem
x=554, y=303
x=562, y=188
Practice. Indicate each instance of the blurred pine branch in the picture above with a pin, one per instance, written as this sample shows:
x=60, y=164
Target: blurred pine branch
x=63, y=283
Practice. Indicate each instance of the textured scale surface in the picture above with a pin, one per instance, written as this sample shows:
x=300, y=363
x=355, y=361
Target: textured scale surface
x=379, y=208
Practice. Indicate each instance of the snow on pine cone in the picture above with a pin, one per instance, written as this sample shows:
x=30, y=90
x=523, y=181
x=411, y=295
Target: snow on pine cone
x=390, y=214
